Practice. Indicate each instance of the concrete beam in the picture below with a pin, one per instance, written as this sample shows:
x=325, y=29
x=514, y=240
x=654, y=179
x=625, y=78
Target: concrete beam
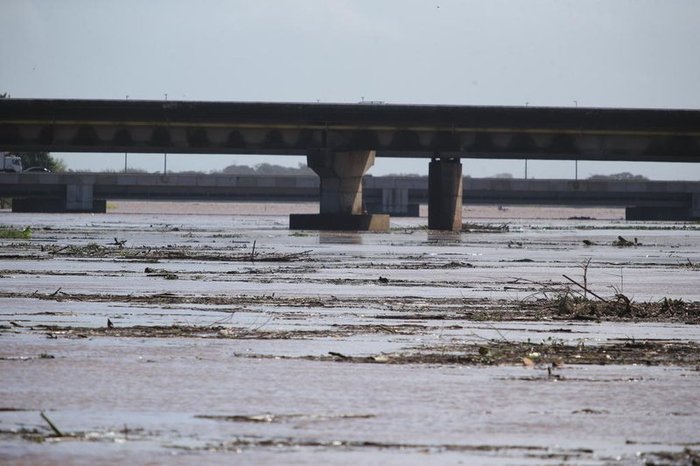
x=445, y=194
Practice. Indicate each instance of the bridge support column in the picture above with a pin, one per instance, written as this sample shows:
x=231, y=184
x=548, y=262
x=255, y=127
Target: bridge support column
x=341, y=194
x=395, y=202
x=695, y=206
x=445, y=194
x=79, y=197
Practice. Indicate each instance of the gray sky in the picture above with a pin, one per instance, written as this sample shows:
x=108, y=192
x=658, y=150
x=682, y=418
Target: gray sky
x=609, y=53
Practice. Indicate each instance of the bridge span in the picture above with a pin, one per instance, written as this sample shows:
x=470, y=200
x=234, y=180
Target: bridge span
x=392, y=195
x=342, y=140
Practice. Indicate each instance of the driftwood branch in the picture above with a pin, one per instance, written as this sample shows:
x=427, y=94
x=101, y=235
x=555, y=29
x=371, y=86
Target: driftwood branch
x=55, y=430
x=584, y=288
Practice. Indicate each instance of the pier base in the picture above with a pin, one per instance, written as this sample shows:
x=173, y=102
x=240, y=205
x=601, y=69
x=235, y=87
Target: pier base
x=650, y=213
x=340, y=222
x=55, y=206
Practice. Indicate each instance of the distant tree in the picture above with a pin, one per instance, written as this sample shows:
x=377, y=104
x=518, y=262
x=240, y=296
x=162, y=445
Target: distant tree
x=237, y=170
x=624, y=176
x=110, y=170
x=404, y=175
x=191, y=172
x=267, y=169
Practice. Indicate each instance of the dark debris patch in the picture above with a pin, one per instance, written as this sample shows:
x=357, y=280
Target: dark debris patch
x=268, y=418
x=550, y=355
x=561, y=307
x=117, y=251
x=686, y=457
x=293, y=444
x=235, y=333
x=140, y=331
x=620, y=308
x=45, y=434
x=550, y=352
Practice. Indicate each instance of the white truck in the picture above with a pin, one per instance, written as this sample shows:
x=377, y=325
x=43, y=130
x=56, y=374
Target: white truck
x=10, y=163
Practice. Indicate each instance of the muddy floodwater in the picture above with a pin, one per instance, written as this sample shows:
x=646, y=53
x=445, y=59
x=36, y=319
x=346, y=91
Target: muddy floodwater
x=212, y=334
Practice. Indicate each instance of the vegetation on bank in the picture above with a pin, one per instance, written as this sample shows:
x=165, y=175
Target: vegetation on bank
x=7, y=232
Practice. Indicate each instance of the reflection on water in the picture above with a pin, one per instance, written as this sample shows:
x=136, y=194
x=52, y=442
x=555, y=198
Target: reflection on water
x=445, y=237
x=336, y=237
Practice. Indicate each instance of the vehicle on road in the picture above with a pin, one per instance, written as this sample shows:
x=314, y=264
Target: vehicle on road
x=10, y=163
x=37, y=170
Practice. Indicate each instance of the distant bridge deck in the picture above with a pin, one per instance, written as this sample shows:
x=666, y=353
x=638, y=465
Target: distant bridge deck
x=387, y=193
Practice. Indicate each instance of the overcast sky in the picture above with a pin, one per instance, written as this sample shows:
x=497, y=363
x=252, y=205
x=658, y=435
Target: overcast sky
x=609, y=53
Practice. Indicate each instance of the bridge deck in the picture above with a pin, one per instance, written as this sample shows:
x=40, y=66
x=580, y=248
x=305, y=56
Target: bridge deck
x=391, y=130
x=310, y=115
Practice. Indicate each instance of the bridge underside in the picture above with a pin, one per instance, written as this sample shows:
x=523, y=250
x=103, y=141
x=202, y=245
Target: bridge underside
x=338, y=138
x=386, y=142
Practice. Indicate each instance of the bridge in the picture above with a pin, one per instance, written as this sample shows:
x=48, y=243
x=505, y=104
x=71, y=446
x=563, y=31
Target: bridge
x=394, y=195
x=341, y=141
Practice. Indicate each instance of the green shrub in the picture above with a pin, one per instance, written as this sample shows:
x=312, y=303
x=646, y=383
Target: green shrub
x=14, y=233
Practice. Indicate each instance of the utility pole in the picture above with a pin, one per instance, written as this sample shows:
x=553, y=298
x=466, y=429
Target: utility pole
x=165, y=154
x=125, y=154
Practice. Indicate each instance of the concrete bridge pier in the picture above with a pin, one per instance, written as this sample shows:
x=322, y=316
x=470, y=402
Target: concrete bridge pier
x=445, y=194
x=695, y=206
x=340, y=194
x=79, y=197
x=395, y=201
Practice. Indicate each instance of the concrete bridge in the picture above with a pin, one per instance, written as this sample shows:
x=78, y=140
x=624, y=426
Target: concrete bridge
x=398, y=196
x=342, y=140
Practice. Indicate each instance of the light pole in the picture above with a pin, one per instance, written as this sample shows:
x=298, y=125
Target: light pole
x=165, y=154
x=125, y=156
x=576, y=162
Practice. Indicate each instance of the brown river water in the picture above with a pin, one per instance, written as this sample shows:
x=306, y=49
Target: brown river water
x=175, y=333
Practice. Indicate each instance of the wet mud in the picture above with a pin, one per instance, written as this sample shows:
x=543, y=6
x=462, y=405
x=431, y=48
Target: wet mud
x=214, y=338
